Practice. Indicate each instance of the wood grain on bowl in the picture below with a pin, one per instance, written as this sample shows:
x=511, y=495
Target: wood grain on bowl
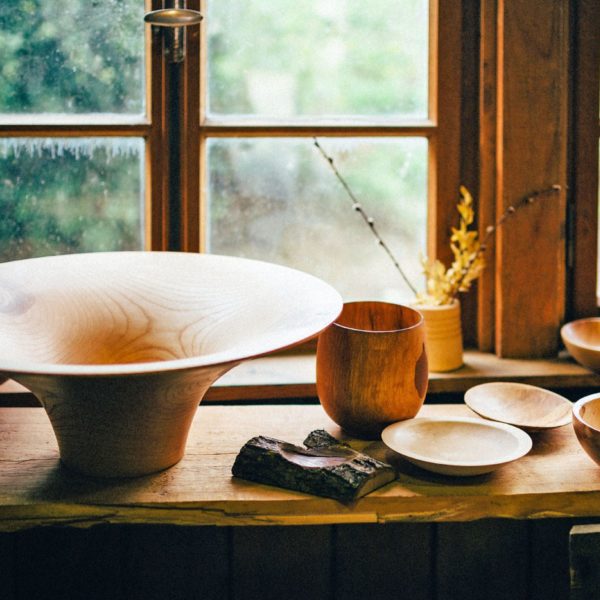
x=120, y=347
x=582, y=340
x=527, y=406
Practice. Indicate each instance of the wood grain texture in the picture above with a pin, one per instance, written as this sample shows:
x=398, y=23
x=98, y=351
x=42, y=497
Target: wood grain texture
x=445, y=111
x=459, y=446
x=470, y=167
x=190, y=91
x=556, y=479
x=486, y=208
x=582, y=299
x=582, y=339
x=322, y=467
x=529, y=407
x=157, y=163
x=532, y=145
x=121, y=347
x=586, y=422
x=372, y=366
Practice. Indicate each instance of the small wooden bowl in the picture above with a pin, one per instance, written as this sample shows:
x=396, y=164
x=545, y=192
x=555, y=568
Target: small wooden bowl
x=586, y=422
x=120, y=347
x=527, y=406
x=582, y=340
x=459, y=446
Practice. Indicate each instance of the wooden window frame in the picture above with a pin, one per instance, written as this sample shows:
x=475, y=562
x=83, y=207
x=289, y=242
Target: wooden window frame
x=440, y=129
x=585, y=124
x=478, y=133
x=151, y=127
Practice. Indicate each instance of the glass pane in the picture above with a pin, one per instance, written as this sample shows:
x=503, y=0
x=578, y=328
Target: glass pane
x=72, y=57
x=70, y=195
x=278, y=200
x=340, y=57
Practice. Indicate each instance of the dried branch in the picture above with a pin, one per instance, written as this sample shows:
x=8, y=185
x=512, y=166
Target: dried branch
x=490, y=230
x=357, y=206
x=443, y=285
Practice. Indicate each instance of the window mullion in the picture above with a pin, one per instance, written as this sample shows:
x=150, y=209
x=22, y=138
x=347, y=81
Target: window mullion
x=581, y=299
x=190, y=138
x=445, y=147
x=157, y=201
x=531, y=156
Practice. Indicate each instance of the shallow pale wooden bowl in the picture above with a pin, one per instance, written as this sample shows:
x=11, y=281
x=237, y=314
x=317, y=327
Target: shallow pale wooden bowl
x=582, y=340
x=120, y=347
x=460, y=446
x=527, y=406
x=586, y=422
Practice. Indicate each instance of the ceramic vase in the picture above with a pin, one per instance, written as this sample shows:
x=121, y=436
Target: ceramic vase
x=443, y=333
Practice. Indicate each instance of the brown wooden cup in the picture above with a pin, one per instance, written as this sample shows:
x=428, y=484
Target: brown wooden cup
x=372, y=367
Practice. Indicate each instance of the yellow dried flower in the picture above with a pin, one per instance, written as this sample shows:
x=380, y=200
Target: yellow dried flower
x=443, y=285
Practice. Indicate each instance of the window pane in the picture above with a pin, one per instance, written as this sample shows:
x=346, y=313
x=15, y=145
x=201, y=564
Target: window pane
x=278, y=200
x=72, y=57
x=70, y=195
x=316, y=58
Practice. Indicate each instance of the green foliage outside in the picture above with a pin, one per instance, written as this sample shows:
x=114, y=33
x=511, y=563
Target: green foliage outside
x=70, y=195
x=336, y=57
x=271, y=199
x=71, y=56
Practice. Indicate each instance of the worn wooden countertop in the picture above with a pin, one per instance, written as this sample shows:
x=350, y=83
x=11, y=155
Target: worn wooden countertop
x=556, y=479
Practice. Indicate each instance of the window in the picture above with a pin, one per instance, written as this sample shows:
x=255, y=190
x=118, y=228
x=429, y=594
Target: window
x=72, y=105
x=79, y=128
x=583, y=257
x=319, y=69
x=105, y=144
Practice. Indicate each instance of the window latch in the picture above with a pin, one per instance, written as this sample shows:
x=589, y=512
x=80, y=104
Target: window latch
x=174, y=20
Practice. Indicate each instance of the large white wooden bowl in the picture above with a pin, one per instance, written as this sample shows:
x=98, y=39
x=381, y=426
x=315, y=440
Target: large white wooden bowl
x=120, y=347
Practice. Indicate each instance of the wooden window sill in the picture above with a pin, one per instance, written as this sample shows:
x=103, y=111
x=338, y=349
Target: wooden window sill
x=556, y=479
x=293, y=376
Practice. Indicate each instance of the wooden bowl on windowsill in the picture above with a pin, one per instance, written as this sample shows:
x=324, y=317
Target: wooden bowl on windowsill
x=529, y=407
x=586, y=422
x=582, y=340
x=120, y=347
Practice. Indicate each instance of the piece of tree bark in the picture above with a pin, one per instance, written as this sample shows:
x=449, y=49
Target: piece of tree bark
x=325, y=467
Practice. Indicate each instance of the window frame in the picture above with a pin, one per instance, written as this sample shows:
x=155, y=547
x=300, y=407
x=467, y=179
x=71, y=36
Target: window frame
x=470, y=50
x=439, y=129
x=146, y=126
x=582, y=257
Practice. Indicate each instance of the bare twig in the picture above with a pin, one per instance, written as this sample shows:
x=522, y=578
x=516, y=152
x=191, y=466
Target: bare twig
x=357, y=206
x=490, y=230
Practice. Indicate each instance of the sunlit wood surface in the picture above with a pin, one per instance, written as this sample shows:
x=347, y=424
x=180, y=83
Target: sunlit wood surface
x=556, y=479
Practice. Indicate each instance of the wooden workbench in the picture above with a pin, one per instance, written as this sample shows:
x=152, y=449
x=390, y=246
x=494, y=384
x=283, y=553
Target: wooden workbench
x=556, y=479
